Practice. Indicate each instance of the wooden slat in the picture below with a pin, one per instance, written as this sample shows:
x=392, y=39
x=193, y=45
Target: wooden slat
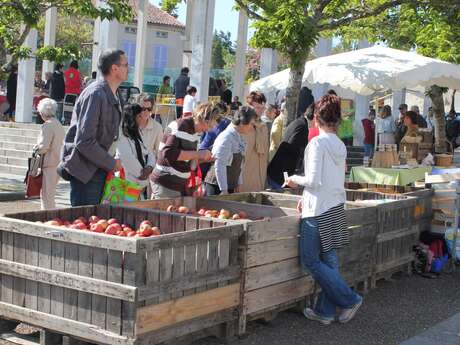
x=59, y=324
x=384, y=266
x=178, y=254
x=31, y=285
x=273, y=251
x=131, y=266
x=70, y=295
x=85, y=269
x=224, y=256
x=114, y=275
x=166, y=268
x=68, y=235
x=388, y=236
x=201, y=260
x=213, y=260
x=57, y=265
x=19, y=284
x=260, y=299
x=44, y=290
x=186, y=308
x=99, y=303
x=7, y=253
x=273, y=229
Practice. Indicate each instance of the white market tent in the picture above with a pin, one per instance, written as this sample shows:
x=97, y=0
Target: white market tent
x=368, y=70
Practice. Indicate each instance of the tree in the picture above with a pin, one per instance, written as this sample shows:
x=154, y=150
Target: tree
x=223, y=51
x=170, y=6
x=432, y=29
x=217, y=54
x=293, y=26
x=18, y=17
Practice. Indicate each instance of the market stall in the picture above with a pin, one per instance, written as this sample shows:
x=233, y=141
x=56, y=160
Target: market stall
x=388, y=176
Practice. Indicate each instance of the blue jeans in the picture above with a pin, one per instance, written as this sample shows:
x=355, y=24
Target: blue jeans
x=368, y=150
x=87, y=193
x=273, y=184
x=324, y=267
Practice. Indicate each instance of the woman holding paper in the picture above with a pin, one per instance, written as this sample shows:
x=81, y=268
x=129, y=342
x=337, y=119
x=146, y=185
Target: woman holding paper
x=323, y=227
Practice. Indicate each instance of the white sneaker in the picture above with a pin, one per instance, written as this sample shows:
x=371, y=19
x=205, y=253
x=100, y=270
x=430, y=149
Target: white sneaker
x=348, y=314
x=311, y=315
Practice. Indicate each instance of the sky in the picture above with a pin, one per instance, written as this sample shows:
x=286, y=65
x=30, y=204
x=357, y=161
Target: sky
x=226, y=19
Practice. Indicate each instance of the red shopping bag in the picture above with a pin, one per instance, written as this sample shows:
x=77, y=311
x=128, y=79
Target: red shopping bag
x=195, y=182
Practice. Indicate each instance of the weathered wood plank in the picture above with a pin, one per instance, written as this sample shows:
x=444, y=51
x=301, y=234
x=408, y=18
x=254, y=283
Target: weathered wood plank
x=19, y=284
x=201, y=260
x=273, y=229
x=31, y=285
x=59, y=324
x=260, y=299
x=70, y=295
x=166, y=270
x=57, y=264
x=273, y=251
x=85, y=269
x=224, y=256
x=213, y=260
x=44, y=261
x=131, y=265
x=114, y=275
x=7, y=254
x=99, y=303
x=152, y=274
x=387, y=236
x=158, y=316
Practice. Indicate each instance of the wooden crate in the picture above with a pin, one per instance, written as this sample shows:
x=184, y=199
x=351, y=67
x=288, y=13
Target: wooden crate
x=115, y=290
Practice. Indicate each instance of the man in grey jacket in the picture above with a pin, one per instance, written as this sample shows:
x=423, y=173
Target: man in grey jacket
x=180, y=89
x=89, y=148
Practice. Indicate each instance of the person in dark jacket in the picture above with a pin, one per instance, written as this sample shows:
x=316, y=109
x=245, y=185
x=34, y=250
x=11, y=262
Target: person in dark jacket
x=180, y=89
x=89, y=148
x=11, y=90
x=290, y=151
x=226, y=93
x=57, y=84
x=305, y=100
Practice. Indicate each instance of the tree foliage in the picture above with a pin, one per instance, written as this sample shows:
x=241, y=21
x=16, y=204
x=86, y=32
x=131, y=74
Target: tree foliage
x=223, y=51
x=170, y=6
x=18, y=17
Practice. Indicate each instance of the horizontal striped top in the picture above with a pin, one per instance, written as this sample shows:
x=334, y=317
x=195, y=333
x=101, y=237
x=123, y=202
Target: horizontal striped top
x=332, y=228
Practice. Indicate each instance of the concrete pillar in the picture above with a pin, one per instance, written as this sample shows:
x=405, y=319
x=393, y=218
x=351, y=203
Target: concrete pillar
x=323, y=48
x=108, y=34
x=26, y=74
x=50, y=38
x=241, y=48
x=399, y=97
x=96, y=46
x=187, y=53
x=140, y=44
x=201, y=37
x=361, y=108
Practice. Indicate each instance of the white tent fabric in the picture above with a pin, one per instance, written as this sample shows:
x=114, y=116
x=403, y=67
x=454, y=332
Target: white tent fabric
x=368, y=70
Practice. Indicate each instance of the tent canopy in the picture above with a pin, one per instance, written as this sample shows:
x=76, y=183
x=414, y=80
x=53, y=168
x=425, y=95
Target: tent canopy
x=368, y=70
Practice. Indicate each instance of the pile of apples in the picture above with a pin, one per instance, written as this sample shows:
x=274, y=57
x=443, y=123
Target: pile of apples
x=108, y=227
x=222, y=214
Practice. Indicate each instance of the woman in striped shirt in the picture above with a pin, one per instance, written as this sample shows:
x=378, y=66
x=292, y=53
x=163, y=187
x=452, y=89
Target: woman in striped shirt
x=323, y=227
x=178, y=154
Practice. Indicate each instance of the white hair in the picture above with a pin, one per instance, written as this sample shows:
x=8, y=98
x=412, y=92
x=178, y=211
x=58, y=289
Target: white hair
x=47, y=107
x=415, y=108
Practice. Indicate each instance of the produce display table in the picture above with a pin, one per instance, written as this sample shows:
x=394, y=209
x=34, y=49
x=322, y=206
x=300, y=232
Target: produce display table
x=397, y=177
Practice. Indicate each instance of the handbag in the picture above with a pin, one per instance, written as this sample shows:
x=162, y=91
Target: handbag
x=195, y=182
x=34, y=176
x=118, y=190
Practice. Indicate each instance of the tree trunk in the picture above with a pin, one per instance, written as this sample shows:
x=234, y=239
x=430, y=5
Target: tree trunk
x=293, y=89
x=436, y=95
x=452, y=105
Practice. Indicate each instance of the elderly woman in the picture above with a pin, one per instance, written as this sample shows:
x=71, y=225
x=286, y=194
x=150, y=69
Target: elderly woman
x=49, y=144
x=385, y=126
x=323, y=226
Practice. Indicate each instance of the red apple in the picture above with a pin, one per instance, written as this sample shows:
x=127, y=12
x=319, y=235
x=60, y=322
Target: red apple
x=131, y=233
x=146, y=222
x=243, y=215
x=78, y=226
x=113, y=229
x=127, y=229
x=121, y=233
x=80, y=219
x=124, y=226
x=156, y=231
x=97, y=228
x=146, y=232
x=112, y=221
x=171, y=208
x=53, y=223
x=183, y=209
x=201, y=211
x=103, y=223
x=236, y=216
x=93, y=219
x=225, y=214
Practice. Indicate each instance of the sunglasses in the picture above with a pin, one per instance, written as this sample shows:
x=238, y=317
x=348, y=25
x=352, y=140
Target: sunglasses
x=147, y=109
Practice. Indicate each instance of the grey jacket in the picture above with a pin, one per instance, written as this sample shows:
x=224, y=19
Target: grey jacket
x=180, y=85
x=94, y=128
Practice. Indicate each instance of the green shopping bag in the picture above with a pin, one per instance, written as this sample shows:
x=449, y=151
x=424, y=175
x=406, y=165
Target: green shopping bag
x=114, y=188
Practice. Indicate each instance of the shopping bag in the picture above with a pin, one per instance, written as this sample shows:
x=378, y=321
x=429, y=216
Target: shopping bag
x=195, y=182
x=133, y=191
x=33, y=186
x=114, y=188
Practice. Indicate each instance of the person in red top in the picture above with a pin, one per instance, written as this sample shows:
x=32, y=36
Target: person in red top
x=72, y=79
x=369, y=133
x=313, y=130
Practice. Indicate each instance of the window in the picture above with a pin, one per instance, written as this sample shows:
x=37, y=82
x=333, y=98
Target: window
x=162, y=34
x=130, y=30
x=160, y=58
x=129, y=47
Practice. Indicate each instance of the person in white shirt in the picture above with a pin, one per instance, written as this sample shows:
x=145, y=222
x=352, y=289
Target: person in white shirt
x=136, y=157
x=323, y=226
x=189, y=101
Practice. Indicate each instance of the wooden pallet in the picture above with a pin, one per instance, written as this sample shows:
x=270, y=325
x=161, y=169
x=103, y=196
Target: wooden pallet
x=115, y=290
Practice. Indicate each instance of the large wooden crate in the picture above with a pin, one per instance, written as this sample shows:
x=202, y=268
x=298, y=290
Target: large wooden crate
x=115, y=290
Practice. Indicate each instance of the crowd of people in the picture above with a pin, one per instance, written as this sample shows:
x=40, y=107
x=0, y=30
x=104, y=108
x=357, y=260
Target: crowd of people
x=248, y=149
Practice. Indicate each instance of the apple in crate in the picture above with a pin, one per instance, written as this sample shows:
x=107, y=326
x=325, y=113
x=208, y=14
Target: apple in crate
x=183, y=209
x=112, y=221
x=113, y=229
x=93, y=219
x=81, y=220
x=53, y=222
x=202, y=211
x=243, y=215
x=78, y=226
x=97, y=228
x=103, y=223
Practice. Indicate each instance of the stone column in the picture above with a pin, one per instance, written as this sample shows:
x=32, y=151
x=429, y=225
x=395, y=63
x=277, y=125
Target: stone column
x=268, y=66
x=399, y=97
x=26, y=74
x=323, y=48
x=50, y=38
x=201, y=38
x=96, y=46
x=108, y=34
x=187, y=52
x=241, y=48
x=361, y=108
x=140, y=44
